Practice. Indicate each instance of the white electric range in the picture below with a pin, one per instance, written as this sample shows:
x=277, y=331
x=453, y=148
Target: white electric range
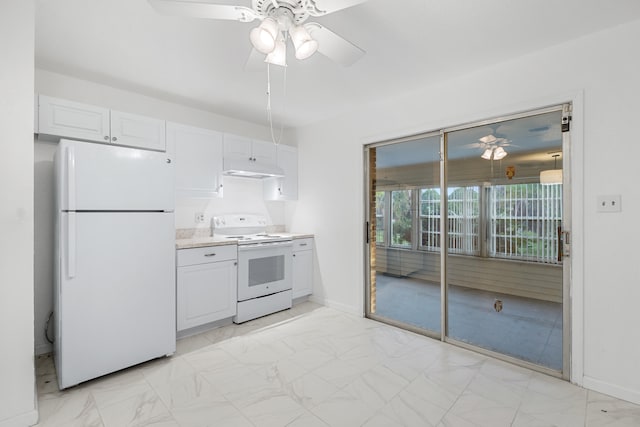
x=264, y=264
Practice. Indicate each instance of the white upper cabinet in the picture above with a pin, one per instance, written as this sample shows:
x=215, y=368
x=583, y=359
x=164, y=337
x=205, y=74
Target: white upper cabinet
x=237, y=147
x=68, y=119
x=285, y=188
x=74, y=120
x=264, y=152
x=198, y=160
x=241, y=149
x=137, y=131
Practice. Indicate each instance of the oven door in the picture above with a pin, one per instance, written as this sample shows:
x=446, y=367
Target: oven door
x=263, y=269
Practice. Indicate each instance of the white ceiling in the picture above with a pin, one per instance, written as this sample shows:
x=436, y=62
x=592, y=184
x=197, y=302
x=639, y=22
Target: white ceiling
x=200, y=63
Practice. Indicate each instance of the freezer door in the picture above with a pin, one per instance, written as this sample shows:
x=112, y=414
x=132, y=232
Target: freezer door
x=101, y=177
x=115, y=294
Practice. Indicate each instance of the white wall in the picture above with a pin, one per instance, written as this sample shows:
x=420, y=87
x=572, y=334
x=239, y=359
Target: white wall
x=598, y=73
x=240, y=195
x=17, y=379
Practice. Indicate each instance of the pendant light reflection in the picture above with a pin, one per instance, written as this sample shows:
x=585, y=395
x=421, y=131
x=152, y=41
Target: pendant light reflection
x=552, y=176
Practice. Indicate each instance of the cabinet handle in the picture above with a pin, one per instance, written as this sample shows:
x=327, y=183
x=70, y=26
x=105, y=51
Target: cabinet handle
x=106, y=137
x=209, y=255
x=114, y=139
x=294, y=255
x=303, y=244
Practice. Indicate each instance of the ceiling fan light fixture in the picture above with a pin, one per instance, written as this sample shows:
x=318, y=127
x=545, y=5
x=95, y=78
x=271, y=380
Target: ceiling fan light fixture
x=499, y=153
x=279, y=55
x=303, y=42
x=487, y=154
x=264, y=36
x=488, y=139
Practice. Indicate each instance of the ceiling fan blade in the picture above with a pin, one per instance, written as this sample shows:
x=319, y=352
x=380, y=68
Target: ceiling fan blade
x=204, y=10
x=333, y=46
x=255, y=62
x=324, y=7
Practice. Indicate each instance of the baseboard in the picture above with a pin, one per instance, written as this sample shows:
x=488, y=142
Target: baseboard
x=338, y=306
x=603, y=387
x=26, y=419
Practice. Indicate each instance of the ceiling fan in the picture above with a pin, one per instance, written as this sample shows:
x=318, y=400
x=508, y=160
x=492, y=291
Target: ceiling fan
x=492, y=145
x=280, y=20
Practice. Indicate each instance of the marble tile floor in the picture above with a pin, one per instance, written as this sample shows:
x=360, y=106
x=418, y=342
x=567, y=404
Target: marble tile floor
x=314, y=366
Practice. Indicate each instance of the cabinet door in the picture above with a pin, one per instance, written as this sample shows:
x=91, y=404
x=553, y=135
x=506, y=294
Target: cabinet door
x=237, y=147
x=198, y=160
x=264, y=153
x=285, y=188
x=137, y=131
x=74, y=120
x=302, y=267
x=206, y=293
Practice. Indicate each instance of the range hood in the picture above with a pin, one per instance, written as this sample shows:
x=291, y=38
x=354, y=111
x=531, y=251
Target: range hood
x=250, y=169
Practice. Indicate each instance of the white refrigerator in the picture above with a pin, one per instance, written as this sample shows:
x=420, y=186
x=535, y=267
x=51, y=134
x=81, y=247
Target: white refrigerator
x=114, y=298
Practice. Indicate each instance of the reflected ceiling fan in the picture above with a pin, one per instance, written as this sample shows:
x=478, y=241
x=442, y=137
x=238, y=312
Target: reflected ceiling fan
x=280, y=20
x=492, y=145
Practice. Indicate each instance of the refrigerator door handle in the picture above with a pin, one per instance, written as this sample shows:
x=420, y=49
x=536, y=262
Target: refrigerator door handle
x=71, y=245
x=71, y=179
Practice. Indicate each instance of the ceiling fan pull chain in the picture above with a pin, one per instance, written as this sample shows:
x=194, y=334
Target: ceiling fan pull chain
x=268, y=89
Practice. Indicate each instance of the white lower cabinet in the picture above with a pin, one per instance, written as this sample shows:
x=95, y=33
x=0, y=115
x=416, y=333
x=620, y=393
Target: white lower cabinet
x=207, y=285
x=302, y=267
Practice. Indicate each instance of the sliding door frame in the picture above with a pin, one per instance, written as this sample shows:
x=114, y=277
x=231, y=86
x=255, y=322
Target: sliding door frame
x=567, y=339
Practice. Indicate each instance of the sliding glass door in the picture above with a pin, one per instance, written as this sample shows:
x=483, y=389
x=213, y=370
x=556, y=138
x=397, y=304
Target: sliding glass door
x=489, y=197
x=404, y=238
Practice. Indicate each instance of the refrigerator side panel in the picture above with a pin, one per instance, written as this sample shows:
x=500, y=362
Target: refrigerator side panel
x=117, y=297
x=102, y=177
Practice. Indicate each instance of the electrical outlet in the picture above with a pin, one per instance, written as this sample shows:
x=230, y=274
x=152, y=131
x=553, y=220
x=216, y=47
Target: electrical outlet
x=199, y=218
x=610, y=203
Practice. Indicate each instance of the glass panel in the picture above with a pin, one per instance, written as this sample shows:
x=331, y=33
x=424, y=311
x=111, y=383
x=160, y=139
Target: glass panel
x=401, y=229
x=266, y=270
x=524, y=221
x=504, y=280
x=430, y=219
x=404, y=282
x=380, y=217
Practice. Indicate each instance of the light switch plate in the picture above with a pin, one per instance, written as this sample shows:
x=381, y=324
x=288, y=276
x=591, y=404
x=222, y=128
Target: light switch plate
x=610, y=203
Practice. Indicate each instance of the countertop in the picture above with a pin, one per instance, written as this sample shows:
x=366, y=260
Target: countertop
x=201, y=241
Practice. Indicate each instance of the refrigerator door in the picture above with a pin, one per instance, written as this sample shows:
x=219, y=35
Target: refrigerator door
x=115, y=292
x=99, y=177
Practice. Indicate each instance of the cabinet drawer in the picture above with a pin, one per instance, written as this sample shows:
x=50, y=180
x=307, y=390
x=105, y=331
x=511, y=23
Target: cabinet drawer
x=303, y=244
x=207, y=254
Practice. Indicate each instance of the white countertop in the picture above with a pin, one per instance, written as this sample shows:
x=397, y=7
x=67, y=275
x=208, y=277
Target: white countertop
x=201, y=241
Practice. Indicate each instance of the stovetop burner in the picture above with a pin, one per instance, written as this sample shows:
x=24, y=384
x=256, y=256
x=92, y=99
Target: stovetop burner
x=246, y=229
